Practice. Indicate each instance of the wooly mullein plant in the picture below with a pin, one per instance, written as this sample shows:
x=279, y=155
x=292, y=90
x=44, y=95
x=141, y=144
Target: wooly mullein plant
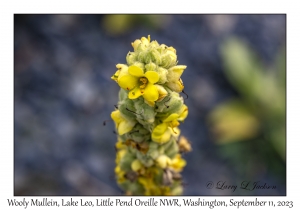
x=147, y=117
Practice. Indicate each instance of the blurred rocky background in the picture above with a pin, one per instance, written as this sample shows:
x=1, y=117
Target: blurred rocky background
x=235, y=83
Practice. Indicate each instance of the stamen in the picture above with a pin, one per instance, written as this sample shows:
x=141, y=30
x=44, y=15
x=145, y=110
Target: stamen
x=143, y=83
x=187, y=96
x=173, y=130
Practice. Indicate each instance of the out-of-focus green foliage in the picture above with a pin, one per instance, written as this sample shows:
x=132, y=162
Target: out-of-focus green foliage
x=120, y=24
x=259, y=113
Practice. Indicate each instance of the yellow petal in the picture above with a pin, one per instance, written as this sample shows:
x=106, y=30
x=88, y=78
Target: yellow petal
x=174, y=123
x=136, y=71
x=127, y=82
x=163, y=161
x=160, y=133
x=150, y=103
x=160, y=129
x=166, y=136
x=152, y=76
x=161, y=92
x=125, y=126
x=175, y=73
x=115, y=76
x=176, y=85
x=151, y=93
x=183, y=113
x=116, y=116
x=123, y=69
x=171, y=117
x=135, y=93
x=178, y=163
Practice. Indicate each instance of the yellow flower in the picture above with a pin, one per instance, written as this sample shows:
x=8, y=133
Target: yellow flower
x=140, y=83
x=174, y=80
x=123, y=125
x=184, y=145
x=163, y=132
x=122, y=69
x=177, y=163
x=120, y=175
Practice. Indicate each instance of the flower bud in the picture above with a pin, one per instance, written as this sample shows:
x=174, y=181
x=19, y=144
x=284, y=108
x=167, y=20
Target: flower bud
x=168, y=58
x=136, y=165
x=151, y=67
x=163, y=161
x=184, y=145
x=131, y=58
x=155, y=57
x=135, y=44
x=125, y=162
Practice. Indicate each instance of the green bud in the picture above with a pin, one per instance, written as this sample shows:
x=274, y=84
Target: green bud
x=172, y=150
x=126, y=161
x=155, y=57
x=146, y=113
x=151, y=67
x=127, y=108
x=131, y=58
x=146, y=160
x=154, y=154
x=171, y=104
x=136, y=44
x=154, y=44
x=162, y=75
x=168, y=57
x=139, y=64
x=138, y=134
x=123, y=94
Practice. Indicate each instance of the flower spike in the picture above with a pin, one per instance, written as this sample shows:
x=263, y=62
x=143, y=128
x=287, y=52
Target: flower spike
x=147, y=117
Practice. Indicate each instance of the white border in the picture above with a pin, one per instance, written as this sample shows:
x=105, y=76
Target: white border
x=8, y=8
